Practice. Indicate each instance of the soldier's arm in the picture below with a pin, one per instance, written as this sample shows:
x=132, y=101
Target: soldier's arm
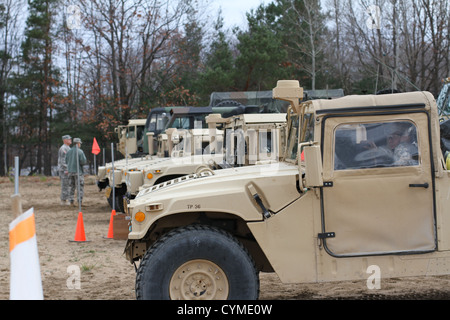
x=83, y=159
x=62, y=163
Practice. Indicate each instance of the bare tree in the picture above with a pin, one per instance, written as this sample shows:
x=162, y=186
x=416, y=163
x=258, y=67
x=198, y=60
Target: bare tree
x=309, y=27
x=406, y=46
x=339, y=54
x=124, y=46
x=10, y=39
x=437, y=13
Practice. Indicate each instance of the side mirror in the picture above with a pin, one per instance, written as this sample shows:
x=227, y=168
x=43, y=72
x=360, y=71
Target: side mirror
x=312, y=165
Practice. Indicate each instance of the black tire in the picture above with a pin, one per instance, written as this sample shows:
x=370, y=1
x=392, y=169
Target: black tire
x=190, y=244
x=118, y=203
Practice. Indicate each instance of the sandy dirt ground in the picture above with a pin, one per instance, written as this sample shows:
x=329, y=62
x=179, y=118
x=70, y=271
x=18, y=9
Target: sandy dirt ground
x=106, y=275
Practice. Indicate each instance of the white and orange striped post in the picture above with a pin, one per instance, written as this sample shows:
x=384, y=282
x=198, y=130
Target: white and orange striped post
x=25, y=274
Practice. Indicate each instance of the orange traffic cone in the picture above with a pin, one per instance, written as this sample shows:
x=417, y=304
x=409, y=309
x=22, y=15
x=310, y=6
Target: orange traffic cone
x=79, y=232
x=111, y=227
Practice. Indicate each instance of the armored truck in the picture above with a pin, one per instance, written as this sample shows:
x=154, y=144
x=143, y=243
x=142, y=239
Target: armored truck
x=363, y=183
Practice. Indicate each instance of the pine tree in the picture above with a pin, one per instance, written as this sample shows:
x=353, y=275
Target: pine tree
x=37, y=83
x=262, y=56
x=218, y=74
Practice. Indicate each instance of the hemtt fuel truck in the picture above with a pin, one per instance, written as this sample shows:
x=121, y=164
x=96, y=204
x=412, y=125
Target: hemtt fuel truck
x=363, y=183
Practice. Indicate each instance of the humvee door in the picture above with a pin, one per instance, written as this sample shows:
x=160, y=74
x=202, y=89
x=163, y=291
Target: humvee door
x=378, y=193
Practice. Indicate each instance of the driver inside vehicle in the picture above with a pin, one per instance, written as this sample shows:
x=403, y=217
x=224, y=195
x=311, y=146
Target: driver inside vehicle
x=392, y=144
x=401, y=142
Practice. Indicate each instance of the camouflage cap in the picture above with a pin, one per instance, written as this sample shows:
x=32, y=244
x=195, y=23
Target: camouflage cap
x=66, y=137
x=77, y=140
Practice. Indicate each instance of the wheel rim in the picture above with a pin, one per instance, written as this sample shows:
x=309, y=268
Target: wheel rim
x=199, y=280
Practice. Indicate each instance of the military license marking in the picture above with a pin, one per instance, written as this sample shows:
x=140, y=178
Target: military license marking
x=193, y=206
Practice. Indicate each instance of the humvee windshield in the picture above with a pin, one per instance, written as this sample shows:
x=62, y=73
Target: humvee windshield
x=306, y=134
x=189, y=121
x=158, y=122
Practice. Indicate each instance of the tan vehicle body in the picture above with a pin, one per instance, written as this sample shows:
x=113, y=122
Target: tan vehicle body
x=309, y=221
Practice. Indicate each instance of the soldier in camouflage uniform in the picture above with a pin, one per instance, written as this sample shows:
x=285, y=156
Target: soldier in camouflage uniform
x=400, y=142
x=74, y=173
x=62, y=168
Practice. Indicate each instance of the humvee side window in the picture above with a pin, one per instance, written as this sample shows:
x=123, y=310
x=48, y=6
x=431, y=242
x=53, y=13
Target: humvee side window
x=371, y=145
x=131, y=133
x=184, y=123
x=161, y=121
x=140, y=137
x=265, y=141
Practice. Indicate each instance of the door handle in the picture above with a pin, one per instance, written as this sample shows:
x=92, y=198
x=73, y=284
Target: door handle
x=423, y=185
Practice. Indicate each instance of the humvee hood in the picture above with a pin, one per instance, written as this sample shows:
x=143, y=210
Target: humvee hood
x=234, y=187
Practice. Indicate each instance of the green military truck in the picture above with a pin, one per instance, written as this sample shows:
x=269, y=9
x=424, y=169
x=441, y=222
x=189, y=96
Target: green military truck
x=343, y=199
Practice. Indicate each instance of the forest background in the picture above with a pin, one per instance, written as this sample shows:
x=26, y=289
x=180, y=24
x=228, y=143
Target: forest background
x=83, y=67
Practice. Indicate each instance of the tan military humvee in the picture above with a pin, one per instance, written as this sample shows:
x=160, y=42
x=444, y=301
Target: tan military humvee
x=181, y=161
x=131, y=136
x=131, y=139
x=249, y=139
x=363, y=184
x=116, y=177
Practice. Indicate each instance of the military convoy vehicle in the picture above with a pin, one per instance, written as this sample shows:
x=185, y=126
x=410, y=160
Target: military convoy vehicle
x=133, y=142
x=118, y=178
x=178, y=118
x=247, y=139
x=141, y=137
x=342, y=200
x=131, y=136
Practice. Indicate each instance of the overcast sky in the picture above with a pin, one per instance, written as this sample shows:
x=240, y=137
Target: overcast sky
x=233, y=11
